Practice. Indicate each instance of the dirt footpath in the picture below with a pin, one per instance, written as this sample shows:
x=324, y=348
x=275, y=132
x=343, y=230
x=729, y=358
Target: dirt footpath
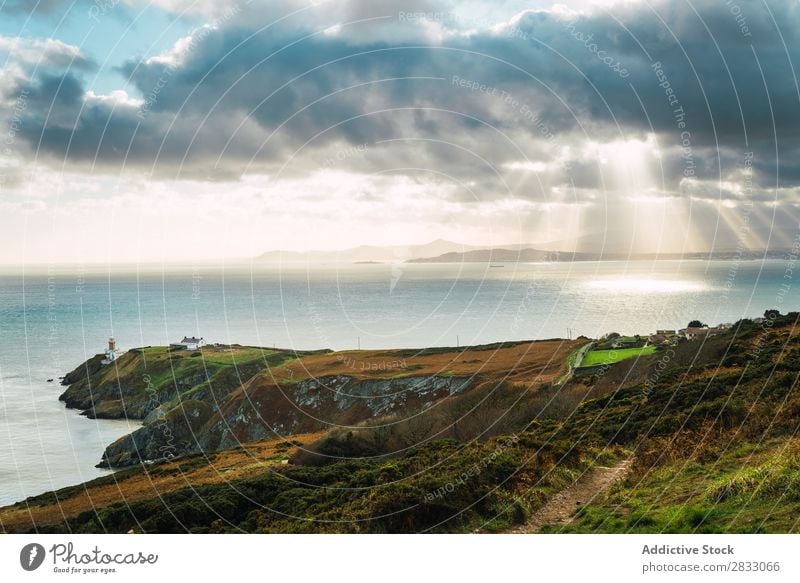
x=561, y=508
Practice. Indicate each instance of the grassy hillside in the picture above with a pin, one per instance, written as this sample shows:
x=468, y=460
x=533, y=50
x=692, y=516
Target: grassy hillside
x=735, y=487
x=143, y=379
x=146, y=482
x=220, y=396
x=357, y=495
x=709, y=426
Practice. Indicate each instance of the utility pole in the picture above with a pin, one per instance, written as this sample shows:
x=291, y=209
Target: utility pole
x=359, y=342
x=458, y=342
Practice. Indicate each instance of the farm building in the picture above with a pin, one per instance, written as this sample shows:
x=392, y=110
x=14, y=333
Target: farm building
x=627, y=342
x=189, y=343
x=699, y=333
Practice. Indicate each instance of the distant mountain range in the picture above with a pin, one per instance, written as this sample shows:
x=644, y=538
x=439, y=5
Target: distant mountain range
x=538, y=255
x=369, y=253
x=442, y=251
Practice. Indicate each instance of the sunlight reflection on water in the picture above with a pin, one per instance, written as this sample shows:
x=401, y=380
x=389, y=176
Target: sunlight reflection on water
x=637, y=285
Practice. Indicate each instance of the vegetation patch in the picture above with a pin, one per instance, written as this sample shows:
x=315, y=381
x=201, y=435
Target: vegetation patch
x=595, y=357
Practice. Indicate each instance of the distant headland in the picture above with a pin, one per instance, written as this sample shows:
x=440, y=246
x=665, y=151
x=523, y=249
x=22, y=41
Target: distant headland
x=442, y=251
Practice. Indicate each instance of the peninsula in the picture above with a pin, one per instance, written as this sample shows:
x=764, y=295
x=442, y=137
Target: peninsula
x=497, y=437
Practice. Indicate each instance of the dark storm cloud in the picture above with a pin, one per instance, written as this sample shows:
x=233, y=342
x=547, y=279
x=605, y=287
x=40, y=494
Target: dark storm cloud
x=58, y=12
x=33, y=7
x=247, y=95
x=53, y=92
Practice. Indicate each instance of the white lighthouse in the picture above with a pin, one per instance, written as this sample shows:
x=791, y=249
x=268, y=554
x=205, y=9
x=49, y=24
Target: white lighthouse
x=111, y=352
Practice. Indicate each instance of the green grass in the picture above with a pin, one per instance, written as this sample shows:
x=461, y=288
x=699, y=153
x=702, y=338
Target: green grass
x=615, y=355
x=744, y=490
x=237, y=355
x=165, y=366
x=394, y=495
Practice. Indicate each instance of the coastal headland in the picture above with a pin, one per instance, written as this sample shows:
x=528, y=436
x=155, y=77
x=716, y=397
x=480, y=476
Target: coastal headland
x=249, y=439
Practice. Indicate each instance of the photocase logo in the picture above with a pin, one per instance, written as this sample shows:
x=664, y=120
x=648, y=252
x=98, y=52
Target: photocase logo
x=31, y=556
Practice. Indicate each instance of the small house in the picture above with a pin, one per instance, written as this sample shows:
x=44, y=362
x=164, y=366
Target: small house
x=699, y=333
x=189, y=343
x=627, y=342
x=693, y=333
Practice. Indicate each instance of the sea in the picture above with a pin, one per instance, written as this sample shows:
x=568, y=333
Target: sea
x=53, y=318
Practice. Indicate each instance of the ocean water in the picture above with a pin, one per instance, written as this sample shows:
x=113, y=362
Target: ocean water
x=53, y=319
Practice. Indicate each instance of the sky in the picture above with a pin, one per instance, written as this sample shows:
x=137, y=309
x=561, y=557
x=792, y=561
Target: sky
x=171, y=130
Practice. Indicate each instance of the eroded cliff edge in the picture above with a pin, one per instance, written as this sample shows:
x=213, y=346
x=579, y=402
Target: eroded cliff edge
x=221, y=396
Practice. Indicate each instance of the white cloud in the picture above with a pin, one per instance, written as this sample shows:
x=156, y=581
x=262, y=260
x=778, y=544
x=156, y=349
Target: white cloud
x=208, y=8
x=38, y=51
x=114, y=99
x=527, y=166
x=183, y=47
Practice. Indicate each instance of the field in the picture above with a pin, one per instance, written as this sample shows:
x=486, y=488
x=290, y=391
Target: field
x=526, y=362
x=611, y=356
x=163, y=365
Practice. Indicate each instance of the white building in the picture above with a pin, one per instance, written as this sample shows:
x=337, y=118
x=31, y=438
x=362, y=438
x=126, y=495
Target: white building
x=111, y=353
x=189, y=343
x=697, y=333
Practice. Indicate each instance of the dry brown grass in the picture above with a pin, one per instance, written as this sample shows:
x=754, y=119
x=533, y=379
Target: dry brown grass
x=248, y=460
x=528, y=362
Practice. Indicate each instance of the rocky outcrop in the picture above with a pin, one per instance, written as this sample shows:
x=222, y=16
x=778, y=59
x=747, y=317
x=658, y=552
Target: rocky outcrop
x=221, y=396
x=164, y=437
x=262, y=409
x=123, y=389
x=146, y=381
x=320, y=404
x=83, y=372
x=174, y=392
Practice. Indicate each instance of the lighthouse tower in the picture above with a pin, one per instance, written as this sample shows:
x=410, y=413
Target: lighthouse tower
x=111, y=352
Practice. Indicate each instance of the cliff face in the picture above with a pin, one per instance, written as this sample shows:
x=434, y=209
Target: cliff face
x=220, y=397
x=263, y=410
